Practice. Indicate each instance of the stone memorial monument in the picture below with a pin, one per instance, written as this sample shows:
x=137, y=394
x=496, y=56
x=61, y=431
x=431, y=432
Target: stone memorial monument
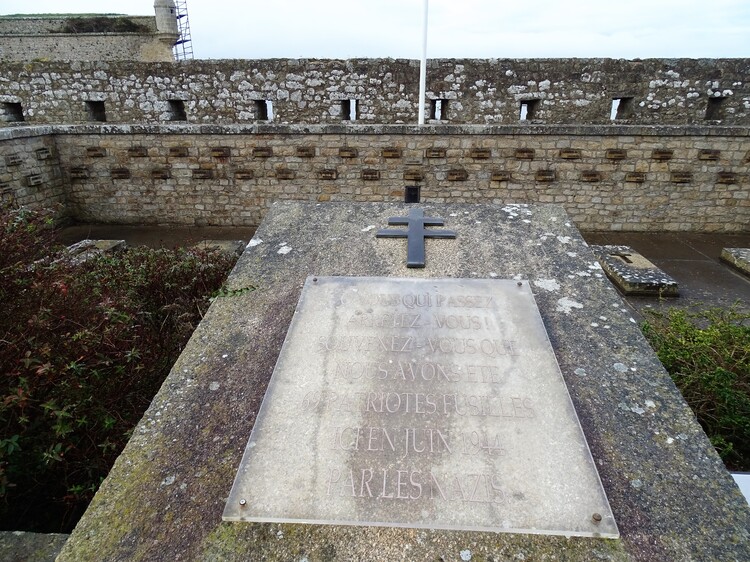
x=498, y=403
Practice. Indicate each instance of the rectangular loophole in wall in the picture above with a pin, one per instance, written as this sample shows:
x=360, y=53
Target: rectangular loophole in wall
x=622, y=108
x=715, y=109
x=12, y=112
x=264, y=110
x=411, y=194
x=439, y=109
x=349, y=110
x=95, y=111
x=528, y=110
x=177, y=110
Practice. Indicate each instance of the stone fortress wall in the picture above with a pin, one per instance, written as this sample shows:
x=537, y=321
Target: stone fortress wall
x=41, y=25
x=45, y=38
x=189, y=142
x=480, y=92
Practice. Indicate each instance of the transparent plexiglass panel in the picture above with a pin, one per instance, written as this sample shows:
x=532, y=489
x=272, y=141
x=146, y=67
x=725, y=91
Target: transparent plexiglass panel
x=433, y=403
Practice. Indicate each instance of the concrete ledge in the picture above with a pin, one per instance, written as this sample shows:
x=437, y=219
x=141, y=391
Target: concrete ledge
x=399, y=129
x=633, y=274
x=739, y=258
x=20, y=131
x=18, y=546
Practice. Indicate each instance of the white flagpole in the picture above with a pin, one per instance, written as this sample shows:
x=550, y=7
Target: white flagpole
x=423, y=67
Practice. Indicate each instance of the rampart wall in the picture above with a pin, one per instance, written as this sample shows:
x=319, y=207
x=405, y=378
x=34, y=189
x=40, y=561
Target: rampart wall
x=44, y=39
x=483, y=92
x=608, y=178
x=40, y=25
x=187, y=143
x=30, y=169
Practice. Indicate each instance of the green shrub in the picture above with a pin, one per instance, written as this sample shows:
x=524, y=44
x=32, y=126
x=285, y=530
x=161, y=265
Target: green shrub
x=84, y=348
x=707, y=354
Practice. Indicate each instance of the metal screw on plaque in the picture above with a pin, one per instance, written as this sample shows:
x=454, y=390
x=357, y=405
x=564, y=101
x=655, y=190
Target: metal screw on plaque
x=315, y=279
x=415, y=234
x=597, y=518
x=243, y=502
x=519, y=283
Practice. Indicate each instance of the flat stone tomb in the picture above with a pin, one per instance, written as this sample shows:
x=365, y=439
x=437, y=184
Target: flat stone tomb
x=430, y=403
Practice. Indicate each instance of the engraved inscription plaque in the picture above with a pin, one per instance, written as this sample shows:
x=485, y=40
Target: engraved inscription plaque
x=432, y=403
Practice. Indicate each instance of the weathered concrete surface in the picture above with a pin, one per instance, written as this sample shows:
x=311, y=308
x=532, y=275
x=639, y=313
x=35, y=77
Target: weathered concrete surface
x=632, y=273
x=671, y=496
x=19, y=546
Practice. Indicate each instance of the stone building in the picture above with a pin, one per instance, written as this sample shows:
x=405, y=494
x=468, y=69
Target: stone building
x=107, y=37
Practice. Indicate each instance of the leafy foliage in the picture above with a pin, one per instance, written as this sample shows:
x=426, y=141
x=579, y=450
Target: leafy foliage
x=707, y=354
x=83, y=350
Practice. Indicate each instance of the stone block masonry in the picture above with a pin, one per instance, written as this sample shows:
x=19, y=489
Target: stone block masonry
x=59, y=37
x=469, y=91
x=230, y=175
x=30, y=171
x=658, y=145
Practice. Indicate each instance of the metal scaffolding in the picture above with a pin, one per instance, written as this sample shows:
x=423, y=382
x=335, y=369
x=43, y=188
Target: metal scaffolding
x=183, y=47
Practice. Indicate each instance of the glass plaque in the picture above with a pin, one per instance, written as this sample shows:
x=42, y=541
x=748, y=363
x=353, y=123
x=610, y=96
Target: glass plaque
x=429, y=403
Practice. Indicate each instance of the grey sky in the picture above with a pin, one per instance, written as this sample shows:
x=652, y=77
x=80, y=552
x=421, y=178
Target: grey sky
x=470, y=28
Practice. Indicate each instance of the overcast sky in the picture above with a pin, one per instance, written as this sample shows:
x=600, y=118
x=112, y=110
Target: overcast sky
x=458, y=28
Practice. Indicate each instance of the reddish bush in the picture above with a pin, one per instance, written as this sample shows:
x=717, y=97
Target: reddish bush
x=83, y=350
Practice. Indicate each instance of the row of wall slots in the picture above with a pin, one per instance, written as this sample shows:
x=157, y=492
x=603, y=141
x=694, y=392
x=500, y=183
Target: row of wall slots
x=372, y=174
x=224, y=152
x=621, y=109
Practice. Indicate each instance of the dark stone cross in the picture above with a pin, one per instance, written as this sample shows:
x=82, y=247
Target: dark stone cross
x=415, y=234
x=623, y=256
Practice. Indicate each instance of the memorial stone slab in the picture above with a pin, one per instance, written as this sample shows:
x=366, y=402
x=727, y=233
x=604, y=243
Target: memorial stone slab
x=739, y=258
x=668, y=490
x=633, y=274
x=228, y=246
x=87, y=249
x=434, y=403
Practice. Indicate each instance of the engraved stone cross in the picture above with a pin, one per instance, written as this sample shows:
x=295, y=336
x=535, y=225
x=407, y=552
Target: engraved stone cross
x=415, y=234
x=623, y=256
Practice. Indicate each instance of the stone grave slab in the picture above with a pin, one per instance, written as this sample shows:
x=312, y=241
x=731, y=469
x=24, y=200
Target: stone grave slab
x=669, y=492
x=86, y=249
x=20, y=546
x=426, y=403
x=739, y=258
x=633, y=274
x=227, y=246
